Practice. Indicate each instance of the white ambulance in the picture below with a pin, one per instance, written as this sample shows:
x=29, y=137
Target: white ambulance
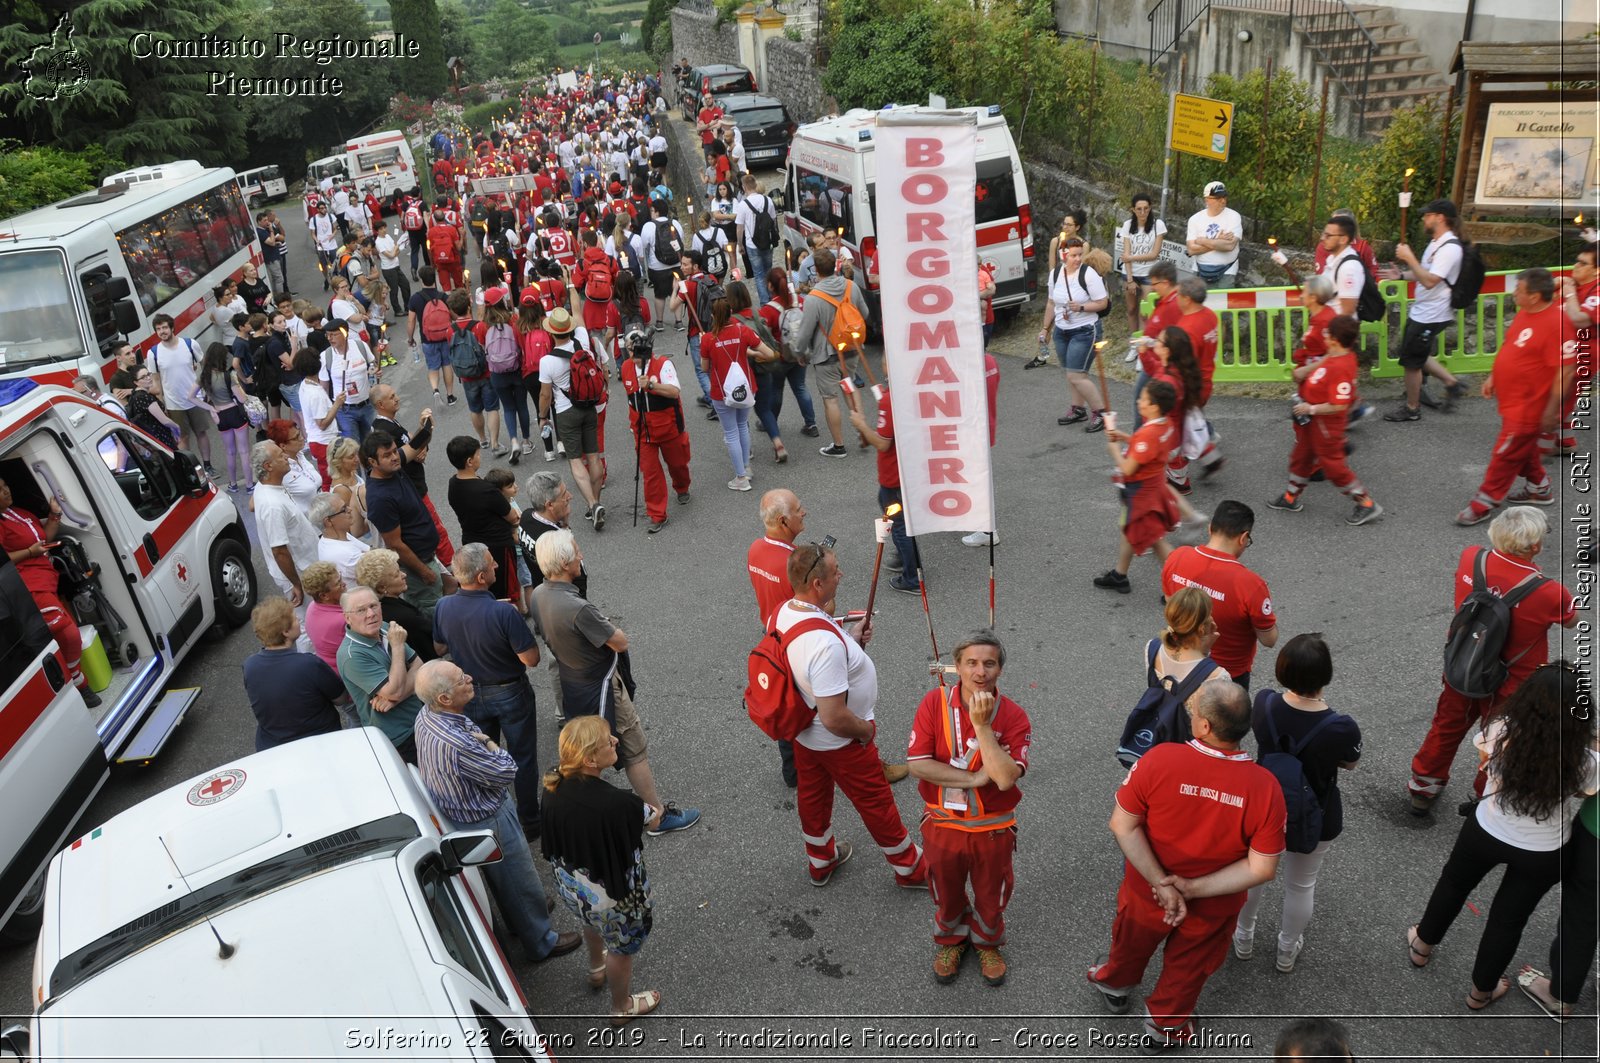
x=151, y=557
x=382, y=163
x=830, y=185
x=299, y=903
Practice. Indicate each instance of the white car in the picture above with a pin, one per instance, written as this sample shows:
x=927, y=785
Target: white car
x=299, y=903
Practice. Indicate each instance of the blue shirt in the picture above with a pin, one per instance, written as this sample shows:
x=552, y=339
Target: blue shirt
x=465, y=780
x=483, y=635
x=291, y=694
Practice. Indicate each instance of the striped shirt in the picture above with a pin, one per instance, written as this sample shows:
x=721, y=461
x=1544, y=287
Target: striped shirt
x=465, y=780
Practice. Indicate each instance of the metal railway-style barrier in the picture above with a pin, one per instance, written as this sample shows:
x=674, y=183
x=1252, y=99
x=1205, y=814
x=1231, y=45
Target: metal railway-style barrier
x=1258, y=329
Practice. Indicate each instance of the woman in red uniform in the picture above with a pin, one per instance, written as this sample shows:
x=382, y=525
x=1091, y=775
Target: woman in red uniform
x=1149, y=511
x=1327, y=388
x=1177, y=365
x=27, y=541
x=727, y=343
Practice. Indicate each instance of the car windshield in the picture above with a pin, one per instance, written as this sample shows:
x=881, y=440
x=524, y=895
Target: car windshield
x=738, y=82
x=759, y=117
x=381, y=836
x=38, y=323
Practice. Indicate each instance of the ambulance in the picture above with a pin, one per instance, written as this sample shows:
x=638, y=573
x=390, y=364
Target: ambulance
x=304, y=902
x=830, y=185
x=152, y=557
x=382, y=163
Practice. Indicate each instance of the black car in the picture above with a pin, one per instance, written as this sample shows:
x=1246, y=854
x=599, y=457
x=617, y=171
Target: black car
x=764, y=126
x=719, y=79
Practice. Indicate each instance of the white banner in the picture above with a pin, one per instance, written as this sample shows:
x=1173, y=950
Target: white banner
x=932, y=326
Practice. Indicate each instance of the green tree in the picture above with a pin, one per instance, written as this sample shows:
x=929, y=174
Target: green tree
x=455, y=30
x=33, y=177
x=655, y=26
x=418, y=20
x=83, y=84
x=884, y=53
x=510, y=35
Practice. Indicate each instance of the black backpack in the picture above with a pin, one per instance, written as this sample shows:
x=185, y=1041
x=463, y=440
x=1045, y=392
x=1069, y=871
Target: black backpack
x=667, y=243
x=707, y=290
x=1369, y=304
x=1302, y=830
x=1469, y=279
x=1159, y=715
x=1473, y=667
x=716, y=258
x=1083, y=270
x=764, y=232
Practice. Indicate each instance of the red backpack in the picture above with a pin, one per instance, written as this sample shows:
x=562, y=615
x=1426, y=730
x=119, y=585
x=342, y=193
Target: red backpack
x=442, y=244
x=413, y=217
x=436, y=321
x=597, y=281
x=773, y=701
x=586, y=385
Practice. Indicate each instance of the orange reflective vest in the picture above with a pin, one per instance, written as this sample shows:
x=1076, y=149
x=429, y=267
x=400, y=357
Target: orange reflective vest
x=975, y=817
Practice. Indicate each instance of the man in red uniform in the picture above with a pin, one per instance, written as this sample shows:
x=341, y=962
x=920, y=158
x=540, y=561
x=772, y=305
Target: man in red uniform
x=1518, y=536
x=1200, y=824
x=1580, y=301
x=1327, y=389
x=782, y=519
x=968, y=750
x=655, y=412
x=836, y=677
x=27, y=541
x=1529, y=378
x=444, y=247
x=707, y=122
x=1240, y=604
x=1149, y=510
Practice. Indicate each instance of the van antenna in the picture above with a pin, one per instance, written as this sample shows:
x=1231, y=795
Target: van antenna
x=224, y=950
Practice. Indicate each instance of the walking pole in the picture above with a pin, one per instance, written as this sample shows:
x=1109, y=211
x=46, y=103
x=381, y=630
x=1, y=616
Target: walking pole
x=638, y=458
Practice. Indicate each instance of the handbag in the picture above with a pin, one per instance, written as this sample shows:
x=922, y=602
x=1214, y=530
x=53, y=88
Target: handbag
x=737, y=393
x=1196, y=434
x=255, y=410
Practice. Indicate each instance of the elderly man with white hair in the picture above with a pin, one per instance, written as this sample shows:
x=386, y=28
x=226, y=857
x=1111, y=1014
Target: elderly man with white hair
x=288, y=540
x=331, y=516
x=591, y=655
x=470, y=777
x=490, y=640
x=1517, y=537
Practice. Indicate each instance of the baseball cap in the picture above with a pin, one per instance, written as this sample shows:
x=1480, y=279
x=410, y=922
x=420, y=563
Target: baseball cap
x=637, y=339
x=1440, y=206
x=1218, y=189
x=495, y=296
x=530, y=297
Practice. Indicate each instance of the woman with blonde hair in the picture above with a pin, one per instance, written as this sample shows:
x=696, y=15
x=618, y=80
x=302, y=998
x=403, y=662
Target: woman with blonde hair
x=345, y=482
x=593, y=835
x=379, y=569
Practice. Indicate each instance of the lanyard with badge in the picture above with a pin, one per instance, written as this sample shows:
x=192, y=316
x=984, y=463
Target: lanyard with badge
x=951, y=797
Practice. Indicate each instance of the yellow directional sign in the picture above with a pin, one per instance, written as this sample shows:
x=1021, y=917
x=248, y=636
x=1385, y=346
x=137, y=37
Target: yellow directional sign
x=1201, y=126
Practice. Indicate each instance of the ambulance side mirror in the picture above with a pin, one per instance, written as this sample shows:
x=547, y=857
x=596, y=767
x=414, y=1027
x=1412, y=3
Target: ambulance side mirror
x=779, y=200
x=468, y=848
x=187, y=475
x=15, y=1043
x=126, y=315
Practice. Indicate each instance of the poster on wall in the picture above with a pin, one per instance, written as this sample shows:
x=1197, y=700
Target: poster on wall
x=1539, y=155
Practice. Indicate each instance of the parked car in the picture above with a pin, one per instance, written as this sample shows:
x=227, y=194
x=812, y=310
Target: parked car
x=765, y=127
x=719, y=79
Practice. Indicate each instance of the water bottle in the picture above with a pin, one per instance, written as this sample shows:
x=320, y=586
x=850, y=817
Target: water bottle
x=549, y=436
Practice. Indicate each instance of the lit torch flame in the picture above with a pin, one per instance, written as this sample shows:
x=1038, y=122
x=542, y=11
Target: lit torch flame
x=893, y=510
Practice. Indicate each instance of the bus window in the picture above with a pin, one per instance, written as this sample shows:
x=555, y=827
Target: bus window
x=996, y=191
x=168, y=253
x=827, y=202
x=37, y=320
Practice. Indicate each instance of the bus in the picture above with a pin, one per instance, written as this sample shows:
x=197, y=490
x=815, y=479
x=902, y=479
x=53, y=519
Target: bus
x=264, y=184
x=86, y=274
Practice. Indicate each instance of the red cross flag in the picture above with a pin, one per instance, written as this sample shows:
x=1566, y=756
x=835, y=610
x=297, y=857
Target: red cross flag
x=932, y=326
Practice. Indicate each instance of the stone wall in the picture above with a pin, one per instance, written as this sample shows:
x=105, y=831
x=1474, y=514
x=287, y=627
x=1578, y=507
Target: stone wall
x=793, y=77
x=696, y=35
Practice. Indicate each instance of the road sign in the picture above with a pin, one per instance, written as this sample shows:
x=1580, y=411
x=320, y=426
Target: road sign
x=1200, y=126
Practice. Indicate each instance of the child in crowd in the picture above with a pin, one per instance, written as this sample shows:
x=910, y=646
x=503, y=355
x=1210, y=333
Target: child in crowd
x=505, y=481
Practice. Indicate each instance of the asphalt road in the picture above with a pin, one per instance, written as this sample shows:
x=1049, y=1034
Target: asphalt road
x=743, y=944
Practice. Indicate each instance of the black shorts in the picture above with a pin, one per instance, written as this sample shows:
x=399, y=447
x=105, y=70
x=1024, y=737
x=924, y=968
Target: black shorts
x=661, y=283
x=1418, y=341
x=658, y=160
x=231, y=418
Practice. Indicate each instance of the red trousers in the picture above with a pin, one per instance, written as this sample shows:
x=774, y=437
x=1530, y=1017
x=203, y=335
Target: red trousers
x=858, y=772
x=1193, y=951
x=955, y=858
x=1453, y=717
x=1320, y=444
x=1516, y=453
x=662, y=444
x=66, y=633
x=449, y=274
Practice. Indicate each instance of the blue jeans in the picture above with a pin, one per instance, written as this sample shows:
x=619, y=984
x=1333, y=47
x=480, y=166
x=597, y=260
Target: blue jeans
x=416, y=249
x=735, y=434
x=355, y=421
x=699, y=371
x=903, y=543
x=508, y=712
x=1075, y=347
x=515, y=881
x=514, y=401
x=769, y=396
x=760, y=265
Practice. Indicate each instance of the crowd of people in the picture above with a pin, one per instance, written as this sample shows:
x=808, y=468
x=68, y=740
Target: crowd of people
x=584, y=257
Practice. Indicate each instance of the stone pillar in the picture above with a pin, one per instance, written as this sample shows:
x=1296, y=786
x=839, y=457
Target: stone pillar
x=751, y=53
x=769, y=24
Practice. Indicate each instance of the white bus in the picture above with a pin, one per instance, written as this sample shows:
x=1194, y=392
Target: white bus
x=264, y=184
x=85, y=274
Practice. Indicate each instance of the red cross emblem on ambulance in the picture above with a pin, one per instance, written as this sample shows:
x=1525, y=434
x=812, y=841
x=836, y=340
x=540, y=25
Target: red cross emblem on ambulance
x=218, y=786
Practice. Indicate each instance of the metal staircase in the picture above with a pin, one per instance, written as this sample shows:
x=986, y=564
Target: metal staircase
x=1397, y=74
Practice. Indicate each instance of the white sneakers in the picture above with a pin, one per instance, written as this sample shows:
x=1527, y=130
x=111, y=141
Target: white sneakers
x=980, y=538
x=739, y=483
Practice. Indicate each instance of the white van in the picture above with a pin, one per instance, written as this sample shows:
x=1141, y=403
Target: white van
x=299, y=903
x=264, y=184
x=382, y=163
x=152, y=557
x=830, y=184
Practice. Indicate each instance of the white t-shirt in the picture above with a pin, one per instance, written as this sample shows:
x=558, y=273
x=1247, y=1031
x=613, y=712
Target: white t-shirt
x=1142, y=243
x=314, y=405
x=1523, y=832
x=279, y=522
x=658, y=145
x=1348, y=281
x=557, y=372
x=648, y=236
x=177, y=362
x=327, y=233
x=1203, y=226
x=821, y=665
x=388, y=252
x=1064, y=289
x=342, y=555
x=223, y=314
x=348, y=373
x=744, y=215
x=1442, y=258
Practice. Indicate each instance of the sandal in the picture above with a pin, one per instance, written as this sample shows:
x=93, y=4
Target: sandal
x=1478, y=1002
x=780, y=455
x=597, y=976
x=639, y=1004
x=1552, y=1007
x=1419, y=958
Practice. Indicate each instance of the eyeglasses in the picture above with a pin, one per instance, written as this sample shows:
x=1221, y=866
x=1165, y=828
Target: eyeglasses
x=820, y=549
x=142, y=376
